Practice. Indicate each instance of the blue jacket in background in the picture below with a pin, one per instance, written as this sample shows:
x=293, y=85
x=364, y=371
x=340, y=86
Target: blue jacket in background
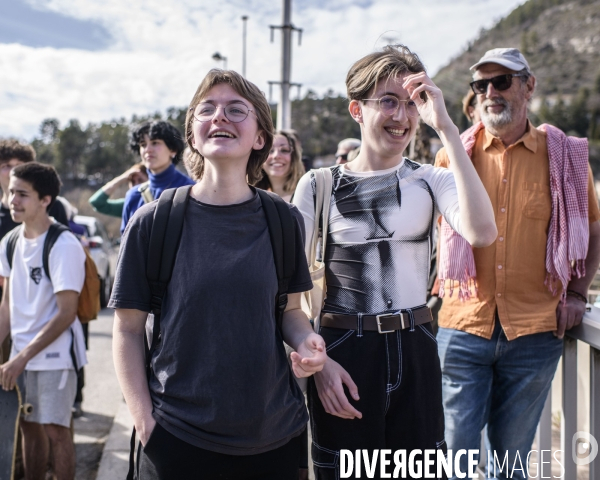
x=170, y=178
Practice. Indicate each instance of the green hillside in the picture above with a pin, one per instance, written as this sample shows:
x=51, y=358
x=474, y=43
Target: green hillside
x=561, y=41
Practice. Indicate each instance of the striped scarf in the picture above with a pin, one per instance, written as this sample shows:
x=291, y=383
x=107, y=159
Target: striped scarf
x=568, y=232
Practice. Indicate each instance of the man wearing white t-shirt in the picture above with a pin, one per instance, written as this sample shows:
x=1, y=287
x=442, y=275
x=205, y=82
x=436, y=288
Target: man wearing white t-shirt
x=40, y=313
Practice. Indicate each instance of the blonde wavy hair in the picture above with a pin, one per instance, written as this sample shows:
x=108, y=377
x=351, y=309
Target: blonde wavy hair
x=195, y=161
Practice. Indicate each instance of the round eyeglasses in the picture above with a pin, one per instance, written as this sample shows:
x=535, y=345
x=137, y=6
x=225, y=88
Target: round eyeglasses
x=234, y=112
x=389, y=105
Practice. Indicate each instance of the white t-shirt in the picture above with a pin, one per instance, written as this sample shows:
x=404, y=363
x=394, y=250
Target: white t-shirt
x=380, y=234
x=33, y=300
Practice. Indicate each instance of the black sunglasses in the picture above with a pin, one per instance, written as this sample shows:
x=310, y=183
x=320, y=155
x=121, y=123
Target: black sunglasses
x=500, y=83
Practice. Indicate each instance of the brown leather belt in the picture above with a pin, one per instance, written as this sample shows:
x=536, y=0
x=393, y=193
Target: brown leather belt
x=384, y=323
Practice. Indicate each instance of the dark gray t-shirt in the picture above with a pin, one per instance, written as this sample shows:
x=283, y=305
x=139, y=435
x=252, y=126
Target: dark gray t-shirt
x=220, y=380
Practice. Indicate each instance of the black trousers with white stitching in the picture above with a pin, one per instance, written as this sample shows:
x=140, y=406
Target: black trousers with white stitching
x=399, y=383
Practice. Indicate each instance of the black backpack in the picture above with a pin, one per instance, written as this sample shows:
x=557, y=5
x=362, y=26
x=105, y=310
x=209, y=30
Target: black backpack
x=162, y=250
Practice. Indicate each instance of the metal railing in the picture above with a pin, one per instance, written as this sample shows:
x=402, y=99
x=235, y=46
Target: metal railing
x=588, y=332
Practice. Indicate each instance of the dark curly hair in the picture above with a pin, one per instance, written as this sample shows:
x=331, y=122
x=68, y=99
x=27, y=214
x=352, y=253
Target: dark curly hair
x=43, y=178
x=11, y=148
x=158, y=130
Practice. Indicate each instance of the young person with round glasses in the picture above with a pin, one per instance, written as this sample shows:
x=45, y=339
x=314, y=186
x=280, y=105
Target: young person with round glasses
x=283, y=167
x=221, y=401
x=380, y=387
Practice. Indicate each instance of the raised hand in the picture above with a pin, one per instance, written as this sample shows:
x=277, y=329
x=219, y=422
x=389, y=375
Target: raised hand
x=429, y=100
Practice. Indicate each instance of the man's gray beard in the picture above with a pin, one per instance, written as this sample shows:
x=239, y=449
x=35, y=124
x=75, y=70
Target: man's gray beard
x=495, y=120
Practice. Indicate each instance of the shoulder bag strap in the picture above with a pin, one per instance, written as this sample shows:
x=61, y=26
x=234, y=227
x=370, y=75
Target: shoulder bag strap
x=311, y=247
x=282, y=235
x=144, y=189
x=162, y=249
x=51, y=237
x=327, y=188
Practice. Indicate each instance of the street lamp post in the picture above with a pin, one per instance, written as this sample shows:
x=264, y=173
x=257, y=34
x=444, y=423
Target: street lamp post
x=220, y=58
x=244, y=19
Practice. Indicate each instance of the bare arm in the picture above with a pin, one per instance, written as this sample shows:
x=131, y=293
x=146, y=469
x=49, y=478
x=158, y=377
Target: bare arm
x=128, y=355
x=570, y=313
x=476, y=212
x=310, y=355
x=111, y=186
x=67, y=311
x=4, y=312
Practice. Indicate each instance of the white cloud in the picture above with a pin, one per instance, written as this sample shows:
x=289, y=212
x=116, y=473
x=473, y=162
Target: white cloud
x=162, y=50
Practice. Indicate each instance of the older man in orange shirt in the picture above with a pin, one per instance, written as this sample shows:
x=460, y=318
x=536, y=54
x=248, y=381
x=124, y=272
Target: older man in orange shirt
x=500, y=347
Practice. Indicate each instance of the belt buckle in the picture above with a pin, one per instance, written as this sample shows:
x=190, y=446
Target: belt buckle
x=378, y=319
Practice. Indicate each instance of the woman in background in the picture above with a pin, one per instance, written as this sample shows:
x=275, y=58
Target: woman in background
x=283, y=168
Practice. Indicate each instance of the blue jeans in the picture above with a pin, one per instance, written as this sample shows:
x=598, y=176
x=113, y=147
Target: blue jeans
x=497, y=382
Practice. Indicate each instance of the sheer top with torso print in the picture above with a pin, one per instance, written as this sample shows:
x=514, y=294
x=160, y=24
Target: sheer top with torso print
x=380, y=234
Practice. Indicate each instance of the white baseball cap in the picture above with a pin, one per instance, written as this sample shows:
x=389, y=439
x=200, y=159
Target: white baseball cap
x=507, y=57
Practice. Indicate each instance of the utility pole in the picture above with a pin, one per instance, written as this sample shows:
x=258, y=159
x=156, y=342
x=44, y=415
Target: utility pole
x=284, y=107
x=244, y=19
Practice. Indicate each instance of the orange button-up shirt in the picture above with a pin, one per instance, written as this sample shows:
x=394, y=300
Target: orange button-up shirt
x=511, y=271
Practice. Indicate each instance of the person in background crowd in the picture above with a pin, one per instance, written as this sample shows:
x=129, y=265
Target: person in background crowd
x=40, y=313
x=352, y=154
x=283, y=168
x=344, y=148
x=159, y=145
x=135, y=175
x=375, y=323
x=12, y=154
x=470, y=107
x=281, y=173
x=499, y=345
x=221, y=401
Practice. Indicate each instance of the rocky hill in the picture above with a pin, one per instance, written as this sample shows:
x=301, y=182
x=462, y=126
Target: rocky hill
x=560, y=39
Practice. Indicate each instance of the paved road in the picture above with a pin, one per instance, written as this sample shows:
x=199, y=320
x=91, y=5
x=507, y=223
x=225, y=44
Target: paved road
x=101, y=399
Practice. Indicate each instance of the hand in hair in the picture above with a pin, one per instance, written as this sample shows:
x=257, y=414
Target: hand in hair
x=429, y=100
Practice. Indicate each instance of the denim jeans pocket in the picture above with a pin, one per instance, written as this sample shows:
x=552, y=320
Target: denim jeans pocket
x=335, y=336
x=428, y=331
x=323, y=457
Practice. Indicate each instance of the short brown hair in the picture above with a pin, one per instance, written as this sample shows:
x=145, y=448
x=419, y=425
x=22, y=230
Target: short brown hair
x=296, y=165
x=262, y=110
x=12, y=148
x=391, y=61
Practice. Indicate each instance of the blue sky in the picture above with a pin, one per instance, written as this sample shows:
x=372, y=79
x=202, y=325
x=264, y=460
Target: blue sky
x=97, y=60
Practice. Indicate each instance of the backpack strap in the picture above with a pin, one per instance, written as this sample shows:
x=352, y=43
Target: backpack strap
x=11, y=243
x=162, y=249
x=144, y=189
x=52, y=236
x=283, y=241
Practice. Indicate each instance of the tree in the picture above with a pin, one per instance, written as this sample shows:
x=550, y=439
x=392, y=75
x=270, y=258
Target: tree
x=72, y=143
